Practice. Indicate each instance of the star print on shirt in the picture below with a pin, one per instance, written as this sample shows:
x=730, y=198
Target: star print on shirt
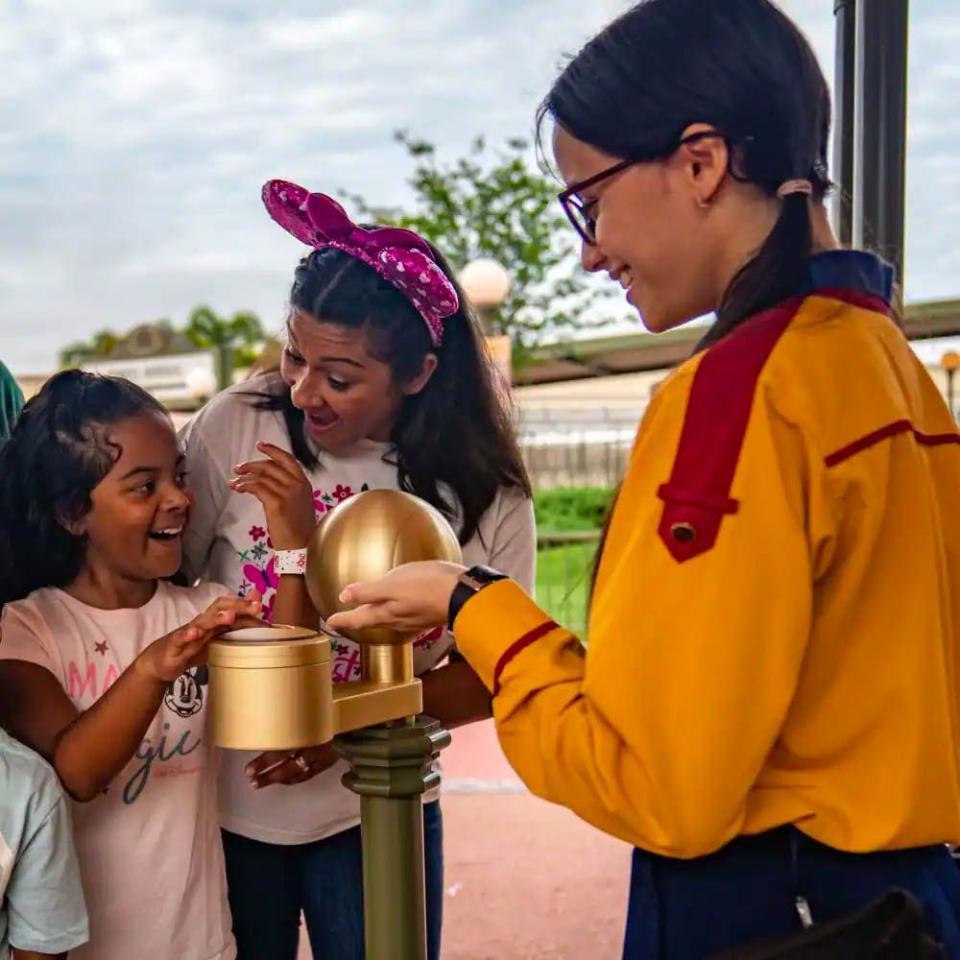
x=101, y=648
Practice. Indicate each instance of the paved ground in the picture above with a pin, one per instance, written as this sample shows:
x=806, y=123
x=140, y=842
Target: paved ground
x=525, y=880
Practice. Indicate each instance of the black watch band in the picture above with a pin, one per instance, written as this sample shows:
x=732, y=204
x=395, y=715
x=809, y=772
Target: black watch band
x=469, y=585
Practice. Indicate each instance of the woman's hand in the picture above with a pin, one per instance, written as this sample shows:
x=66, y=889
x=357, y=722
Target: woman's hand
x=167, y=658
x=280, y=484
x=410, y=599
x=282, y=766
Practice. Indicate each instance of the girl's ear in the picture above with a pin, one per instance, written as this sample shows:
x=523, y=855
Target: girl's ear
x=75, y=525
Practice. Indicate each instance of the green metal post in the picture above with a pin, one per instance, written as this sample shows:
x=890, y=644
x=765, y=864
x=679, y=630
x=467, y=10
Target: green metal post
x=390, y=769
x=879, y=195
x=844, y=82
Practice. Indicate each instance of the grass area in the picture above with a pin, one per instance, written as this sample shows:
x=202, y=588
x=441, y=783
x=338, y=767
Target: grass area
x=563, y=583
x=571, y=509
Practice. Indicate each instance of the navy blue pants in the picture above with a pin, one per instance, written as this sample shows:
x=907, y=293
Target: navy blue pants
x=269, y=884
x=690, y=909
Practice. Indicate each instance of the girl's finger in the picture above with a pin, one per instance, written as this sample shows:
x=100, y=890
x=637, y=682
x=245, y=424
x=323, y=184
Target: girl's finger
x=230, y=602
x=192, y=653
x=212, y=621
x=238, y=605
x=184, y=636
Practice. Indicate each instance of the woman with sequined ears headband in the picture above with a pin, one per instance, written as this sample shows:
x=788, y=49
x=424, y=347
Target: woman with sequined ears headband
x=384, y=383
x=768, y=706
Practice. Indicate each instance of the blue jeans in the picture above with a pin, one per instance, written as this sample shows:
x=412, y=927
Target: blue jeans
x=269, y=884
x=745, y=892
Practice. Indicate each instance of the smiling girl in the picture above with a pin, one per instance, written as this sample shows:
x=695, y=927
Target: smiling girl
x=101, y=661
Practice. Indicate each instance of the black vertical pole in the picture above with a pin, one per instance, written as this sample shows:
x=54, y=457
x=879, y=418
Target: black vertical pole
x=880, y=155
x=844, y=83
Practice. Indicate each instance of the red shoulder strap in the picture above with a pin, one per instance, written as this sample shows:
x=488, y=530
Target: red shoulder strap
x=697, y=496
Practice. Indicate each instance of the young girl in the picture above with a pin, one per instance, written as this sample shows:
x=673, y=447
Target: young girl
x=768, y=706
x=101, y=661
x=383, y=384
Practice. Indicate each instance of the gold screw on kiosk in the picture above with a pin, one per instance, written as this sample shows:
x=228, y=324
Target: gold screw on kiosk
x=271, y=689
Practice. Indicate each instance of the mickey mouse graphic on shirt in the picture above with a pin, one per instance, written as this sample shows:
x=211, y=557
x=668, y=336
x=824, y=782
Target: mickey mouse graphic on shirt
x=184, y=695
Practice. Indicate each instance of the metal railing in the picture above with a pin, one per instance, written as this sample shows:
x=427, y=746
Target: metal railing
x=577, y=447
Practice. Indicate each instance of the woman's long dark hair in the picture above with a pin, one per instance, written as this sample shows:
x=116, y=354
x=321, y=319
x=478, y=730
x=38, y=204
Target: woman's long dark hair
x=57, y=453
x=740, y=66
x=457, y=432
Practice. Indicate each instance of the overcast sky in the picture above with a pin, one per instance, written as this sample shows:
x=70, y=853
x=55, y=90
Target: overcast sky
x=135, y=135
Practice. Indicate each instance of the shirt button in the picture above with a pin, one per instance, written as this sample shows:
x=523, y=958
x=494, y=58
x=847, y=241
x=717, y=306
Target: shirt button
x=683, y=532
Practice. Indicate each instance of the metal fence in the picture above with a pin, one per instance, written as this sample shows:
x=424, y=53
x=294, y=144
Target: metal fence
x=577, y=447
x=573, y=447
x=564, y=571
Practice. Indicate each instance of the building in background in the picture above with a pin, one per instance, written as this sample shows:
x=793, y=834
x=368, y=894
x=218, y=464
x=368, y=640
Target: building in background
x=165, y=363
x=578, y=402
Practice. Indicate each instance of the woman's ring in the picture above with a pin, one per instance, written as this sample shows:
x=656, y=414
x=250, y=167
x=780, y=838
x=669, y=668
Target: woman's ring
x=301, y=761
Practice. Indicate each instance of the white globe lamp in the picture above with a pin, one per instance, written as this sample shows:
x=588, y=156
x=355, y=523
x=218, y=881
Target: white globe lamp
x=201, y=382
x=486, y=283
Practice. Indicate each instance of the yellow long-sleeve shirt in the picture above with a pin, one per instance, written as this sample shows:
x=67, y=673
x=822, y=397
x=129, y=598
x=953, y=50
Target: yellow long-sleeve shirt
x=772, y=633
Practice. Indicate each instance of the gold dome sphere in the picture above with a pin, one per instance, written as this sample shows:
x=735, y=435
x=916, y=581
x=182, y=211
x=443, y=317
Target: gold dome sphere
x=365, y=538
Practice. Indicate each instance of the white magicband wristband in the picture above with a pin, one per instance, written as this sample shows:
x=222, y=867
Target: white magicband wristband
x=291, y=562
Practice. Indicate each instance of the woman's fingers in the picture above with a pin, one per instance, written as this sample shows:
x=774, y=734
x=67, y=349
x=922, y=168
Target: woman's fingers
x=263, y=489
x=284, y=768
x=283, y=459
x=384, y=614
x=414, y=596
x=265, y=470
x=368, y=591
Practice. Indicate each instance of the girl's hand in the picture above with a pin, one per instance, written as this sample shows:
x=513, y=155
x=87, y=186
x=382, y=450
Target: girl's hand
x=280, y=484
x=167, y=658
x=411, y=599
x=282, y=766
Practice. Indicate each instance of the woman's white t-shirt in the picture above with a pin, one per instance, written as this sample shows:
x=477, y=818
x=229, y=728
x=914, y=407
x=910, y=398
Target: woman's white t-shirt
x=149, y=847
x=227, y=541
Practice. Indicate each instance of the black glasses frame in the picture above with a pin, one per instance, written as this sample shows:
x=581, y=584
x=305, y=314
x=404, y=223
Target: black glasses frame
x=580, y=212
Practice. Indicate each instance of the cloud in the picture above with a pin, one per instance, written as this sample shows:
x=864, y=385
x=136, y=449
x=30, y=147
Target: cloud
x=135, y=134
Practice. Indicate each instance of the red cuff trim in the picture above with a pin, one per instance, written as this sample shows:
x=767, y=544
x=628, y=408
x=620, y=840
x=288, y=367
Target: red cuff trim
x=532, y=637
x=884, y=433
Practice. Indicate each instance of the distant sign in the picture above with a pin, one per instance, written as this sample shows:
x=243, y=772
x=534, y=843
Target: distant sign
x=180, y=380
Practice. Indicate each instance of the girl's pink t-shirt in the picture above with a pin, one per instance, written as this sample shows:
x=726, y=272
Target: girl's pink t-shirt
x=149, y=846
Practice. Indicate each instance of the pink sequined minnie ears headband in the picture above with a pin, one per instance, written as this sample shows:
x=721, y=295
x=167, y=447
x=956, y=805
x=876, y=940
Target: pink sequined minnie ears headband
x=399, y=256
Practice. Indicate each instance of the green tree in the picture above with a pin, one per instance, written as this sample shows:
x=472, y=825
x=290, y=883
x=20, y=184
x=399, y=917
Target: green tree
x=498, y=205
x=100, y=345
x=234, y=338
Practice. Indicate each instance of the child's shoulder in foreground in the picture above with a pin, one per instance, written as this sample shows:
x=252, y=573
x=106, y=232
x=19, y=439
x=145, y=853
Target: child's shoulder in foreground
x=26, y=781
